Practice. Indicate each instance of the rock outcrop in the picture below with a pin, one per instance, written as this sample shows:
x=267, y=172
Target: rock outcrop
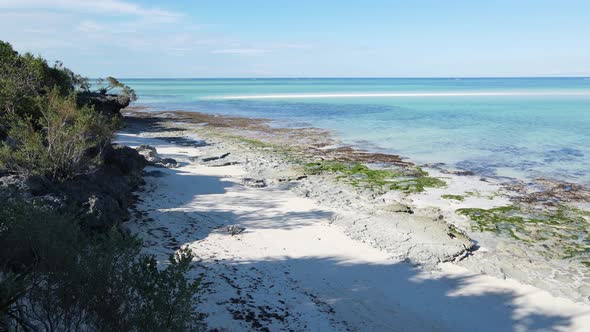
x=152, y=156
x=110, y=104
x=100, y=198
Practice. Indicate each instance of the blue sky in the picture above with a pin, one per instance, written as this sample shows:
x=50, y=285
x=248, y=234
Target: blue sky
x=305, y=38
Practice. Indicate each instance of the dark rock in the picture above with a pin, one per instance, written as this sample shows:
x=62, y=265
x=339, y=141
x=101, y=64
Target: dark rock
x=168, y=162
x=14, y=183
x=53, y=201
x=105, y=103
x=152, y=156
x=38, y=184
x=223, y=163
x=206, y=159
x=254, y=183
x=155, y=174
x=101, y=198
x=458, y=172
x=126, y=159
x=100, y=211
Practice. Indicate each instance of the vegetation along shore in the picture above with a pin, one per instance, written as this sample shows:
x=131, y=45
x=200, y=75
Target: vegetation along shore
x=65, y=189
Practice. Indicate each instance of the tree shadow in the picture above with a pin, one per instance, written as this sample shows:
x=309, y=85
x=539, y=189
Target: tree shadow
x=318, y=293
x=270, y=293
x=187, y=207
x=365, y=297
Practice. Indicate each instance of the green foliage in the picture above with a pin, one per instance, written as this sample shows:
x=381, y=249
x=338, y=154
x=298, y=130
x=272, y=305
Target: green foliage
x=42, y=131
x=23, y=78
x=54, y=276
x=403, y=179
x=24, y=150
x=57, y=278
x=111, y=83
x=59, y=143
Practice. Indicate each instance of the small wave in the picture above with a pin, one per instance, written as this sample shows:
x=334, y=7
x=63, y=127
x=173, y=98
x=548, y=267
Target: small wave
x=400, y=94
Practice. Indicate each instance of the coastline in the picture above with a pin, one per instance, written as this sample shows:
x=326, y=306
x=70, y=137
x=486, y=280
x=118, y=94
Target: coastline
x=502, y=252
x=409, y=228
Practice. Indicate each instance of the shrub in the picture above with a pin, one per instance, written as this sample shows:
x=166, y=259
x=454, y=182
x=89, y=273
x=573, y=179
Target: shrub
x=62, y=143
x=23, y=150
x=56, y=278
x=25, y=77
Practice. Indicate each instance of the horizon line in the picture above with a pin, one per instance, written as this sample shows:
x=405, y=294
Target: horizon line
x=350, y=77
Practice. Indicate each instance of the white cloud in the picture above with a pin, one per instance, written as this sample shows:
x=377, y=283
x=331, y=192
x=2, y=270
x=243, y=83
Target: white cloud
x=92, y=35
x=114, y=7
x=292, y=46
x=241, y=51
x=89, y=27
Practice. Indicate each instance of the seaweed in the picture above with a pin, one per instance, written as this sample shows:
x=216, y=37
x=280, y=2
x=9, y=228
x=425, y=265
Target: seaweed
x=561, y=232
x=453, y=197
x=409, y=180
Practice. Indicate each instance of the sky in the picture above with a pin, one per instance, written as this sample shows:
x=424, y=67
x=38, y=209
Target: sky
x=304, y=38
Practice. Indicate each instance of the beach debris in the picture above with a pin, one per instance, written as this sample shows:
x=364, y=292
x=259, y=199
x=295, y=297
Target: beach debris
x=254, y=183
x=224, y=163
x=233, y=229
x=457, y=172
x=207, y=159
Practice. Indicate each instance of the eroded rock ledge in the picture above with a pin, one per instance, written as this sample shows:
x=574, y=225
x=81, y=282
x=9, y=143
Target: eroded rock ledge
x=101, y=198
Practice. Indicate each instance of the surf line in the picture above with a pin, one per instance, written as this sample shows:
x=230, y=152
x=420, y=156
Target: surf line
x=402, y=94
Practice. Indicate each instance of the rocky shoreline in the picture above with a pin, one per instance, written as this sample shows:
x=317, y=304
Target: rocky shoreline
x=100, y=197
x=411, y=222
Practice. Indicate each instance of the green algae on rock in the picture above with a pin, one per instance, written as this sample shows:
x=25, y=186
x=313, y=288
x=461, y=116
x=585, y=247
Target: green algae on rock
x=560, y=232
x=407, y=179
x=453, y=197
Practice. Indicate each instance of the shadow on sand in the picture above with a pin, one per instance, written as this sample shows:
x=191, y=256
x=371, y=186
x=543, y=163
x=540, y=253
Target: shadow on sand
x=270, y=293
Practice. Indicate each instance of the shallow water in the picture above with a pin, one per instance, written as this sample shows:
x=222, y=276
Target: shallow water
x=498, y=127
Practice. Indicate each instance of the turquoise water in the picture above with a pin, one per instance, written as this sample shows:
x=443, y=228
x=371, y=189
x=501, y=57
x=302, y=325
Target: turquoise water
x=502, y=127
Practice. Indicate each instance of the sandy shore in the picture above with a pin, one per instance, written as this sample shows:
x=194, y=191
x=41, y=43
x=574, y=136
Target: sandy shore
x=320, y=254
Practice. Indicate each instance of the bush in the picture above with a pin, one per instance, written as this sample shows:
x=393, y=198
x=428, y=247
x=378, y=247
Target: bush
x=62, y=143
x=56, y=278
x=114, y=84
x=25, y=77
x=53, y=275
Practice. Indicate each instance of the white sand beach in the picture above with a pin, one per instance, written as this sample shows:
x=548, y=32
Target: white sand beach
x=294, y=269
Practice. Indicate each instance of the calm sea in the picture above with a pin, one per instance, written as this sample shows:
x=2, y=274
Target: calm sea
x=498, y=127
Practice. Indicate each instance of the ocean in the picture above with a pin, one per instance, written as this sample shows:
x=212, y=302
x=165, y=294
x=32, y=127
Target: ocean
x=507, y=128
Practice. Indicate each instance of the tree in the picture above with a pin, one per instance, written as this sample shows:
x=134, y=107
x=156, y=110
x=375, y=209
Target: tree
x=111, y=83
